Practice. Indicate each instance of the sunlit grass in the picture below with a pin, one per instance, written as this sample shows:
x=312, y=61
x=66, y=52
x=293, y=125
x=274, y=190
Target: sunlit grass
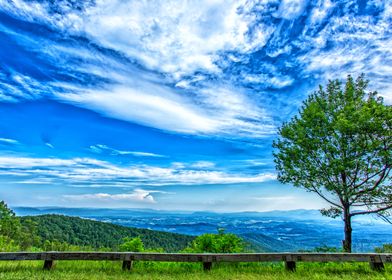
x=81, y=270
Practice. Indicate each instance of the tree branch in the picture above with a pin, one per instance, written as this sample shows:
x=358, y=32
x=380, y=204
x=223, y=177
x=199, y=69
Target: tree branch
x=384, y=174
x=326, y=199
x=371, y=211
x=369, y=178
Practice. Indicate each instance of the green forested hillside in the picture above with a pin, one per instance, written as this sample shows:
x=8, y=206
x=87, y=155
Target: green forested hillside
x=83, y=232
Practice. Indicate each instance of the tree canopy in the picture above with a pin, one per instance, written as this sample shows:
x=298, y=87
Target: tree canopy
x=340, y=147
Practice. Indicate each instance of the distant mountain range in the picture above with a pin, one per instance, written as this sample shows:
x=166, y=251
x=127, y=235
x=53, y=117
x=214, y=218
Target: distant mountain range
x=266, y=231
x=300, y=214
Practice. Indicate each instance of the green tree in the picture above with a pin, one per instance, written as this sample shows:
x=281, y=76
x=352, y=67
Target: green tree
x=217, y=243
x=339, y=146
x=23, y=235
x=132, y=245
x=9, y=223
x=28, y=236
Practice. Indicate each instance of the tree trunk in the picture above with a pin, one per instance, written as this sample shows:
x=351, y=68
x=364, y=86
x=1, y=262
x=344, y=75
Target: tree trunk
x=347, y=230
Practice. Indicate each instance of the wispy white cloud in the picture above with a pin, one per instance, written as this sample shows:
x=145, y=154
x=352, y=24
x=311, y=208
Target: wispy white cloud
x=209, y=110
x=176, y=54
x=253, y=162
x=139, y=154
x=174, y=38
x=138, y=195
x=203, y=164
x=28, y=162
x=152, y=106
x=100, y=148
x=49, y=145
x=291, y=9
x=321, y=11
x=89, y=171
x=363, y=44
x=8, y=141
x=274, y=81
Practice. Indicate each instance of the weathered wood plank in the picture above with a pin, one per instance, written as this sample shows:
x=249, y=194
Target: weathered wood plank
x=386, y=258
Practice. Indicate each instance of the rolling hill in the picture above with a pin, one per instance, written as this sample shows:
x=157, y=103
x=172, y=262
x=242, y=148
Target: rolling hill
x=87, y=232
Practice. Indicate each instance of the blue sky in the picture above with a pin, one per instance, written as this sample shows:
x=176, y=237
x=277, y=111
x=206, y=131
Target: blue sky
x=170, y=104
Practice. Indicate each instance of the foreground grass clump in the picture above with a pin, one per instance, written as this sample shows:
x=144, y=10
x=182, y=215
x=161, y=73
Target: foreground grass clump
x=83, y=270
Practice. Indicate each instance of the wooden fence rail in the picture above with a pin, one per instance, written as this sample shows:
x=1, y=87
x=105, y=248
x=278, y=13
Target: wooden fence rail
x=375, y=260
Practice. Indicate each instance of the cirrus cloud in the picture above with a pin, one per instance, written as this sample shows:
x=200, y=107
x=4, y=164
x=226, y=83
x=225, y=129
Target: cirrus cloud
x=138, y=195
x=86, y=171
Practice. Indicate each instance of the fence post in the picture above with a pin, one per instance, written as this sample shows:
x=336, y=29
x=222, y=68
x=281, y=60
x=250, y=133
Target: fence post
x=48, y=264
x=207, y=266
x=376, y=263
x=290, y=265
x=127, y=265
x=127, y=262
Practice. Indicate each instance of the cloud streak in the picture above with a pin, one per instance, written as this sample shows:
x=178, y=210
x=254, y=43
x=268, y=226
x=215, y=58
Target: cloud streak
x=8, y=141
x=138, y=195
x=85, y=171
x=100, y=148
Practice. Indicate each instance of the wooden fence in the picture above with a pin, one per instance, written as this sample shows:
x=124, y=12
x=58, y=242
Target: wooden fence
x=376, y=261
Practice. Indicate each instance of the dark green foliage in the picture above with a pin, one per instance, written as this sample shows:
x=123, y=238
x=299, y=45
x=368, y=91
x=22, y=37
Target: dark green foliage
x=28, y=237
x=13, y=234
x=9, y=224
x=326, y=249
x=340, y=147
x=386, y=248
x=323, y=249
x=217, y=243
x=94, y=234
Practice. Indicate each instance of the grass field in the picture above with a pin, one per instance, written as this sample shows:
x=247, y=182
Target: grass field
x=81, y=270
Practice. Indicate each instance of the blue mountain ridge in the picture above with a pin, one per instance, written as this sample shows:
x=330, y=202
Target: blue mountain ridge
x=269, y=231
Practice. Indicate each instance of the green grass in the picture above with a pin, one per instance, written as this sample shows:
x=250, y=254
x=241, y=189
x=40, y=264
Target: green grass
x=82, y=270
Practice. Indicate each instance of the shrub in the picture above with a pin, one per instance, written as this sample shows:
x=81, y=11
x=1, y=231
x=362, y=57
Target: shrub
x=217, y=243
x=386, y=248
x=327, y=249
x=132, y=245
